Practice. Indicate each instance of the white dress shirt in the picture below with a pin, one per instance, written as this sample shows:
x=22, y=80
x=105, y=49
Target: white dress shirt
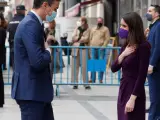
x=41, y=22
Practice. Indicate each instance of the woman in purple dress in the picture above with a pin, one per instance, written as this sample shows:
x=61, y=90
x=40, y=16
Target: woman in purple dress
x=134, y=61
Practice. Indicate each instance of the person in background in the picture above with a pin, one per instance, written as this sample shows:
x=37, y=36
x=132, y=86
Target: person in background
x=4, y=25
x=2, y=52
x=99, y=37
x=80, y=56
x=32, y=87
x=153, y=15
x=57, y=63
x=134, y=64
x=11, y=30
x=146, y=33
x=64, y=42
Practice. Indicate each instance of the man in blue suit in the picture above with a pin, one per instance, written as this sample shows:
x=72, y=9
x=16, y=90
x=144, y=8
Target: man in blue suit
x=32, y=85
x=153, y=15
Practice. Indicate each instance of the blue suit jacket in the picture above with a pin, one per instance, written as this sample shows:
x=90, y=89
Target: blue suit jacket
x=154, y=40
x=31, y=78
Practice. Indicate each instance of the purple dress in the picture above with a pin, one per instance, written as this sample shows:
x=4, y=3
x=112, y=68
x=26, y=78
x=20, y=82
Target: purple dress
x=134, y=72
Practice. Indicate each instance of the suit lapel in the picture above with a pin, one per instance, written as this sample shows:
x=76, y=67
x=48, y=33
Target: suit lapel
x=40, y=26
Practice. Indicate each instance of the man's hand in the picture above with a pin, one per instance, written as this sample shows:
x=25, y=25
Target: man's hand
x=146, y=32
x=47, y=46
x=75, y=41
x=81, y=41
x=150, y=69
x=50, y=37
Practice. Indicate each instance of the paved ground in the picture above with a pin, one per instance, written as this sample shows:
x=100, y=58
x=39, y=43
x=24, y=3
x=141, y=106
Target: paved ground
x=99, y=103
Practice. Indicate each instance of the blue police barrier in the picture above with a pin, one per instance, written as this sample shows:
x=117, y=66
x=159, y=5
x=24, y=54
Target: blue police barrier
x=81, y=57
x=87, y=61
x=8, y=74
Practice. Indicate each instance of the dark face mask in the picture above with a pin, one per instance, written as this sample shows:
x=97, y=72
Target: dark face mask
x=149, y=17
x=99, y=25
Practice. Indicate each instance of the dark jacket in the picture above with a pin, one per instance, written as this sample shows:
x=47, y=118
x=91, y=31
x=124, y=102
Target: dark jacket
x=31, y=77
x=12, y=27
x=154, y=40
x=2, y=44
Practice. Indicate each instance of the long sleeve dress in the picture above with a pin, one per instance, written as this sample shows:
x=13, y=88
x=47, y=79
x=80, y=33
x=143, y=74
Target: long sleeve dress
x=134, y=72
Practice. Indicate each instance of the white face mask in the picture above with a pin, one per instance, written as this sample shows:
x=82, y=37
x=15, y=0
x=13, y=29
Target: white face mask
x=46, y=25
x=79, y=23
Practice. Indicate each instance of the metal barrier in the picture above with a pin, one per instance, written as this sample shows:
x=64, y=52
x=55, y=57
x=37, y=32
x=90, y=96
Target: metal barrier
x=7, y=74
x=89, y=59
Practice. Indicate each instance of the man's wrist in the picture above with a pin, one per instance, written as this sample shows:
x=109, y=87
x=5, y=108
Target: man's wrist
x=48, y=50
x=151, y=66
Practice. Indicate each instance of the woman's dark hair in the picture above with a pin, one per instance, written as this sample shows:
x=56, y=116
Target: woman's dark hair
x=136, y=30
x=37, y=3
x=3, y=21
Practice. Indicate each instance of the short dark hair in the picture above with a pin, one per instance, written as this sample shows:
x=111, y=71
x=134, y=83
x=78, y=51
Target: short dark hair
x=83, y=18
x=136, y=29
x=157, y=8
x=37, y=3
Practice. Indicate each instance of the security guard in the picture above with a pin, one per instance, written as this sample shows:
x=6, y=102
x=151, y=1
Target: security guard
x=20, y=10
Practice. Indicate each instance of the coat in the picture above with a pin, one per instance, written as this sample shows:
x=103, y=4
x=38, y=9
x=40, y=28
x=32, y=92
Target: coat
x=84, y=39
x=31, y=78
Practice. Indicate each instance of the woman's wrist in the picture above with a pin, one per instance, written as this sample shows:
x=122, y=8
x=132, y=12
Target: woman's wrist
x=121, y=57
x=133, y=97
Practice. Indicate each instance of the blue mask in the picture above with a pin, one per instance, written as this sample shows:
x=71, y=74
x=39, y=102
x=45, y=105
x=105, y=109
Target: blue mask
x=52, y=17
x=149, y=17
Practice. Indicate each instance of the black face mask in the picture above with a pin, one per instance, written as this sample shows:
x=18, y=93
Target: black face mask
x=99, y=25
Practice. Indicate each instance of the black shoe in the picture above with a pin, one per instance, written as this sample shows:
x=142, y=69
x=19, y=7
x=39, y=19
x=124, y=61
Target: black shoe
x=75, y=87
x=87, y=87
x=147, y=110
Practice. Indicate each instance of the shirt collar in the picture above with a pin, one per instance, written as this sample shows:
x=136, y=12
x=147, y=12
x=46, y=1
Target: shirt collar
x=155, y=20
x=39, y=18
x=151, y=25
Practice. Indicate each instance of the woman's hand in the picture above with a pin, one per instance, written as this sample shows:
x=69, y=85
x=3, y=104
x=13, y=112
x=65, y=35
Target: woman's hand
x=128, y=50
x=130, y=106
